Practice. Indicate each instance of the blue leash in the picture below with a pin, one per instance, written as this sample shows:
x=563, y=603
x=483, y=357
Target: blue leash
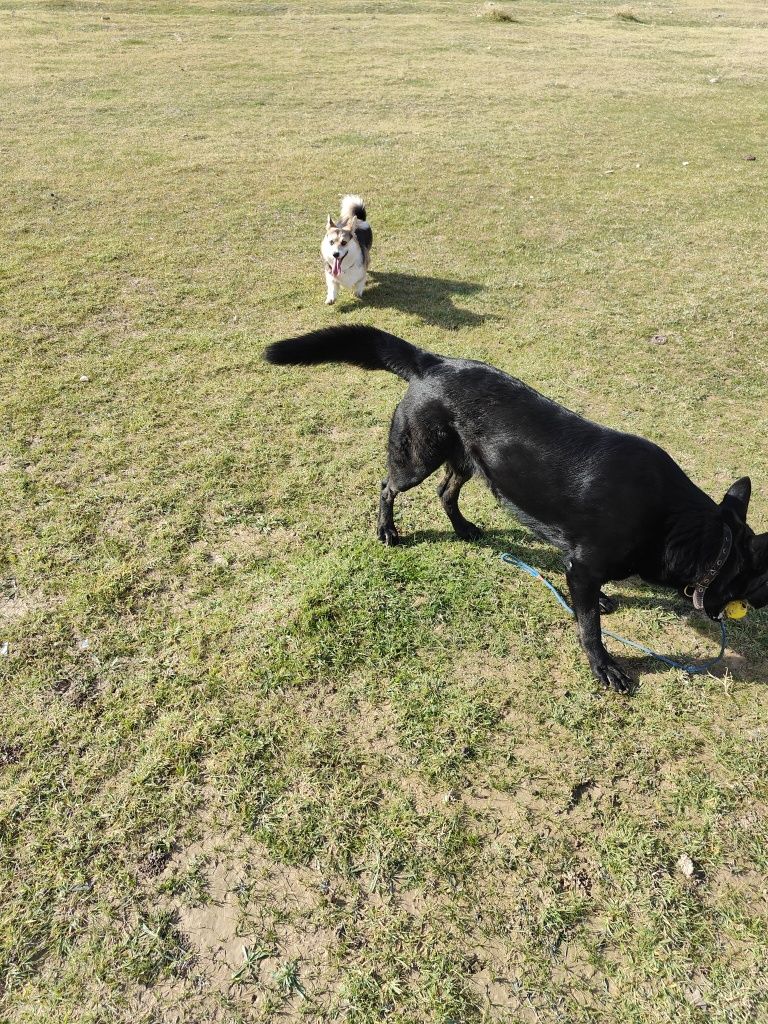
x=691, y=670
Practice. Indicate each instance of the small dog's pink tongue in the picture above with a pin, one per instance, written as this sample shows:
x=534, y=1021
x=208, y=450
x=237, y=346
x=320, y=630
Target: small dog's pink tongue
x=336, y=270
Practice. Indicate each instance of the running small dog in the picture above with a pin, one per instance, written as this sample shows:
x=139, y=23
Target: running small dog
x=615, y=504
x=346, y=249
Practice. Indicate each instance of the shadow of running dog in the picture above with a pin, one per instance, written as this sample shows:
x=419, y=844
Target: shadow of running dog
x=431, y=298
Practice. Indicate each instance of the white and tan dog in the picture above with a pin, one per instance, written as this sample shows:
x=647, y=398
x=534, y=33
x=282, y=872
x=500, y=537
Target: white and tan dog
x=346, y=249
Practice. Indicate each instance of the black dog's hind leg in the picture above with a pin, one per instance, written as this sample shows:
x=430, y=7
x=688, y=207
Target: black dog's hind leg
x=585, y=594
x=420, y=441
x=387, y=530
x=448, y=492
x=403, y=475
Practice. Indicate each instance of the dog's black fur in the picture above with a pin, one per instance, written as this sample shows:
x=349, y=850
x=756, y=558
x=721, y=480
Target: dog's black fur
x=615, y=504
x=364, y=235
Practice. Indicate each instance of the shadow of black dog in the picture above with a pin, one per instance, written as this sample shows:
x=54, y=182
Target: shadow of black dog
x=745, y=656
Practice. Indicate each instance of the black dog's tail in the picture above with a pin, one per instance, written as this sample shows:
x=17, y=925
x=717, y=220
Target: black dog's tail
x=365, y=347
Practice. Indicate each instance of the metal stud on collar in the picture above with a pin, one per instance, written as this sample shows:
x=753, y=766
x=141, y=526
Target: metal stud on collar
x=711, y=574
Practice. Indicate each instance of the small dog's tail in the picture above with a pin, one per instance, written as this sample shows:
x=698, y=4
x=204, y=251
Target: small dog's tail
x=366, y=347
x=352, y=206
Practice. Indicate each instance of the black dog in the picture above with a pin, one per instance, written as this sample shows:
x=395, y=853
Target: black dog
x=615, y=504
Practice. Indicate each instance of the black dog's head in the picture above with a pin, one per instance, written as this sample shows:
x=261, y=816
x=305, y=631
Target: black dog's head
x=744, y=576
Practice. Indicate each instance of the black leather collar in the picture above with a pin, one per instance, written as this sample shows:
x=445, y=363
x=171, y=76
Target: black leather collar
x=700, y=586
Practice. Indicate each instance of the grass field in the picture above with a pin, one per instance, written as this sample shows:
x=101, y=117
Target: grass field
x=256, y=767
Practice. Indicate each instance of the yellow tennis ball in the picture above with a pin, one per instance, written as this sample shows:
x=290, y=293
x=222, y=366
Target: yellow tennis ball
x=736, y=609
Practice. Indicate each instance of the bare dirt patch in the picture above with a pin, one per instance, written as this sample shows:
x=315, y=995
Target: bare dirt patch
x=253, y=927
x=744, y=884
x=16, y=605
x=498, y=984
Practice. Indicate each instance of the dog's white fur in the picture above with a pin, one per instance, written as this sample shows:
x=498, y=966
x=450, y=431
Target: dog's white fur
x=354, y=260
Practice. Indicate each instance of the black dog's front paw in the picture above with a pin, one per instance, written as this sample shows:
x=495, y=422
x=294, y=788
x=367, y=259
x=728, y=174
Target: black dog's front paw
x=607, y=604
x=388, y=535
x=610, y=675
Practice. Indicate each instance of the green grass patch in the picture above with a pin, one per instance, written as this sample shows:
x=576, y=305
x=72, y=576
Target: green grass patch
x=495, y=12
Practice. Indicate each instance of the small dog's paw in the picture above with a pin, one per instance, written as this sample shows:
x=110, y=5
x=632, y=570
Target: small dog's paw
x=388, y=535
x=607, y=604
x=329, y=302
x=469, y=532
x=613, y=677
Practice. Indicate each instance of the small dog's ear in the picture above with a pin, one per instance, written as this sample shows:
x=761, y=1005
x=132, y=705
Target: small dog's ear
x=330, y=223
x=737, y=496
x=352, y=223
x=759, y=548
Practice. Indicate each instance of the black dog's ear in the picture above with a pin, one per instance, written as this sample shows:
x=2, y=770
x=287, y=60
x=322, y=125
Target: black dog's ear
x=737, y=496
x=329, y=223
x=759, y=548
